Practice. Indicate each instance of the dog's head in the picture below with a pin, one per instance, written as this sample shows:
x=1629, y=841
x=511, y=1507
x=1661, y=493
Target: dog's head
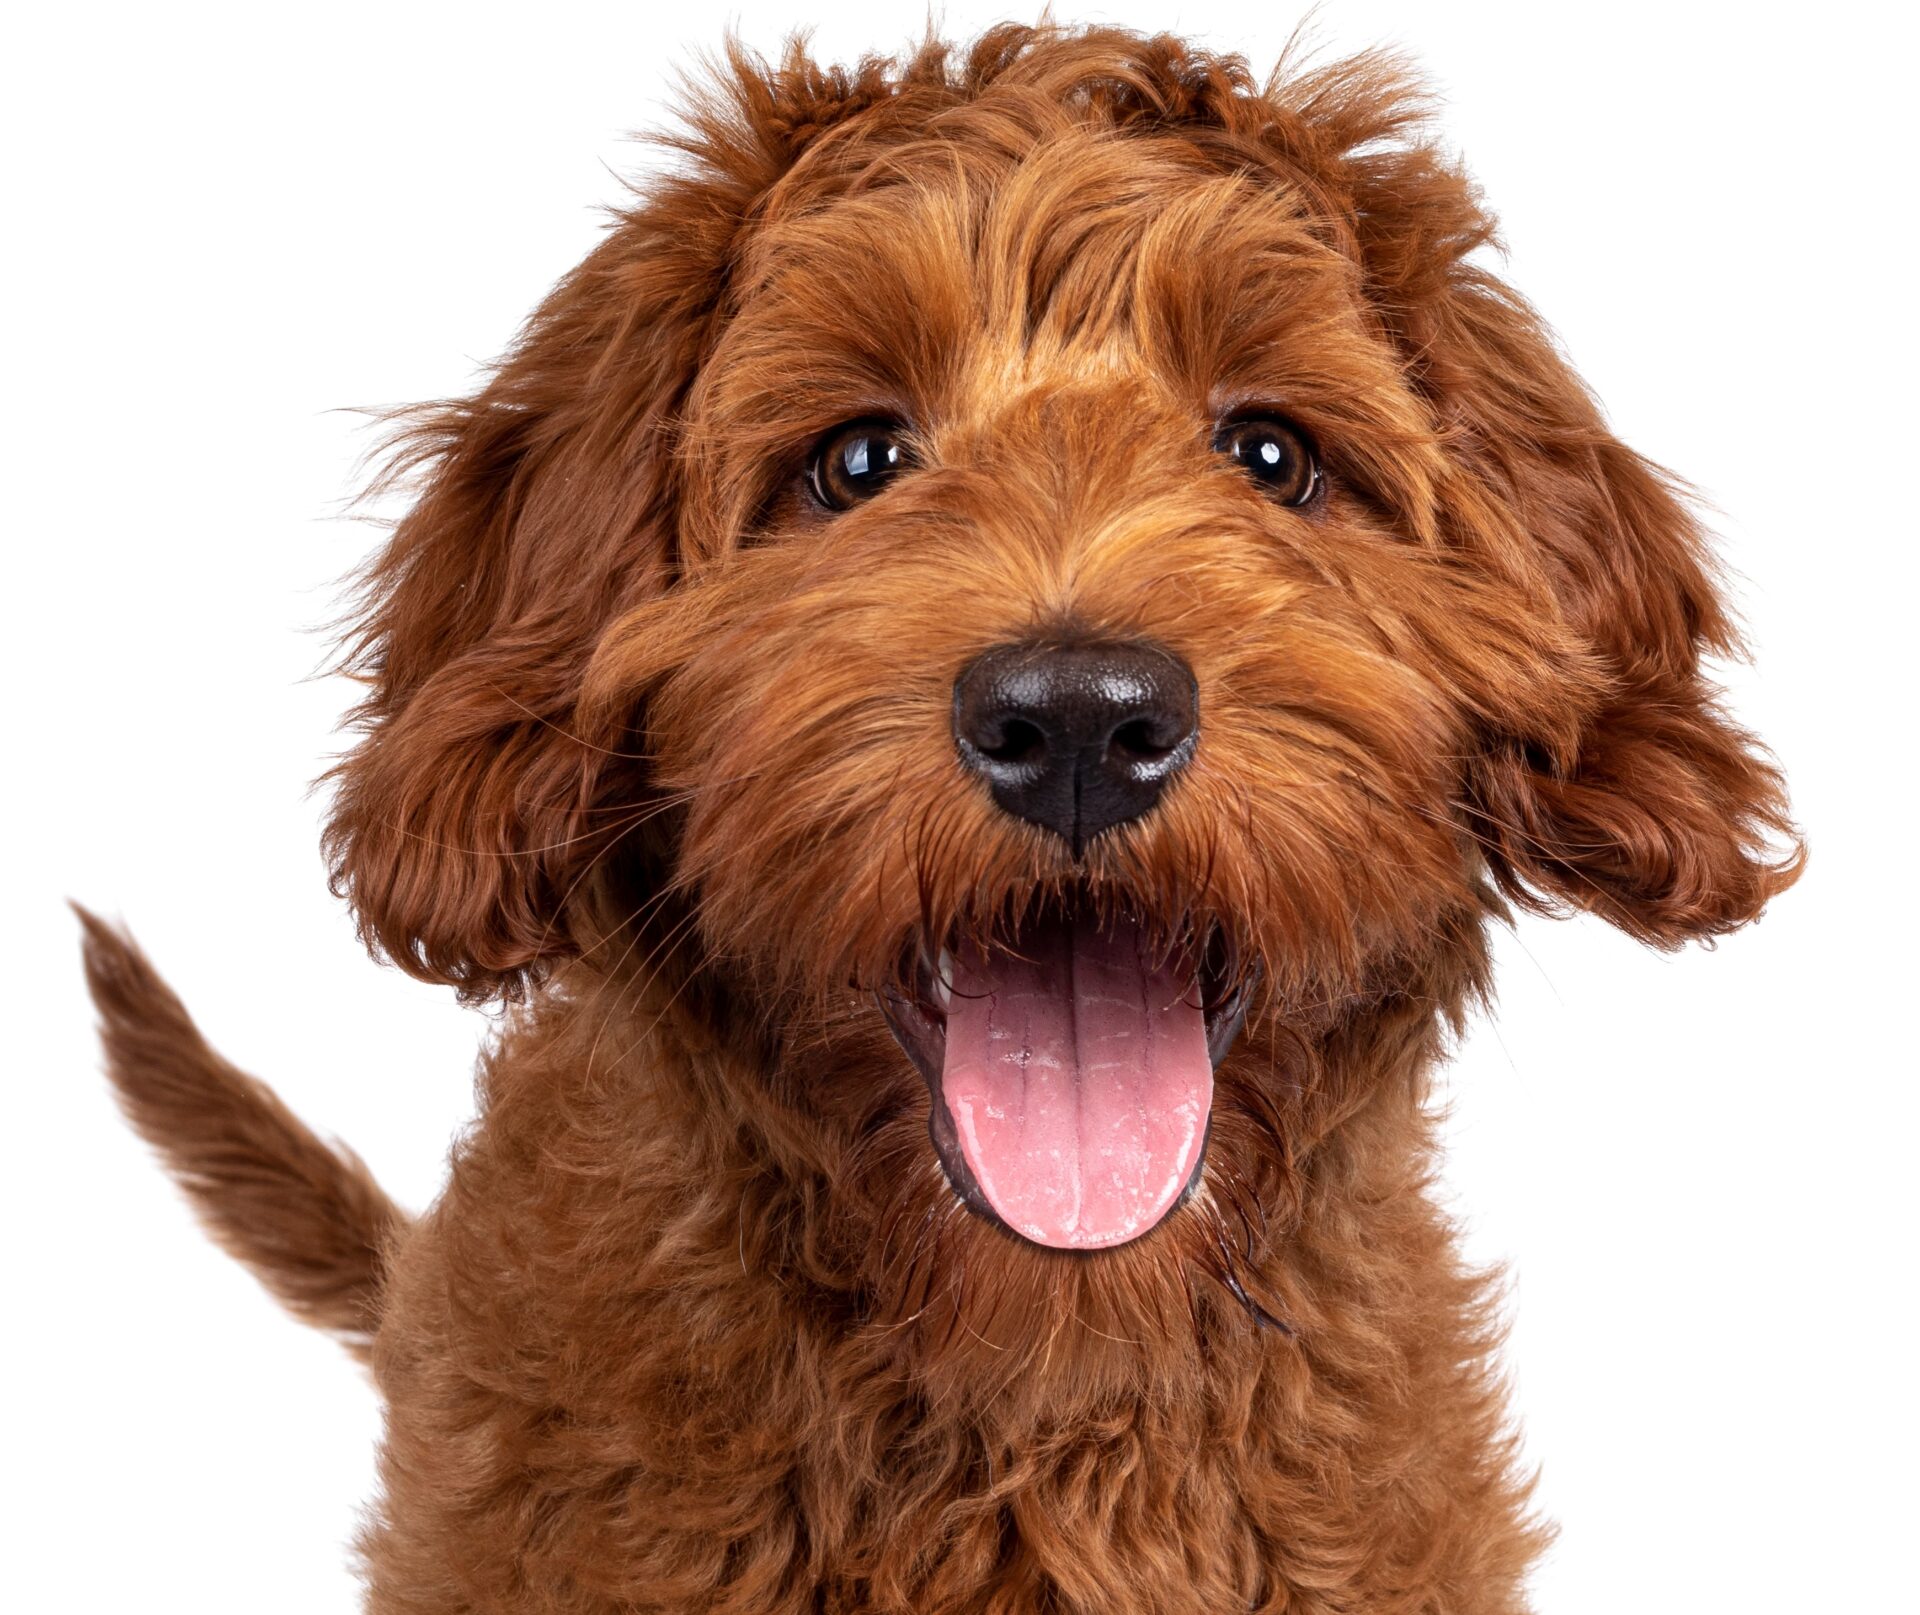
x=1061, y=570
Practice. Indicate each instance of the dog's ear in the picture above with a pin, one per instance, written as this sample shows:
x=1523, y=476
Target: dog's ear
x=471, y=809
x=1666, y=819
x=545, y=504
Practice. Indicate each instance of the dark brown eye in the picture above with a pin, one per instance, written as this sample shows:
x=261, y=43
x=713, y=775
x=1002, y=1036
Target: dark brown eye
x=1275, y=453
x=855, y=461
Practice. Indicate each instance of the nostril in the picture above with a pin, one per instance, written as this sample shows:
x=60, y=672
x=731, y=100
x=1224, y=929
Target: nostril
x=1142, y=740
x=1018, y=742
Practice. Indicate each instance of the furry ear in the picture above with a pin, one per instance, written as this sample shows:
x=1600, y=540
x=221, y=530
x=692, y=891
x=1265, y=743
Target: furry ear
x=1667, y=820
x=470, y=809
x=470, y=816
x=464, y=814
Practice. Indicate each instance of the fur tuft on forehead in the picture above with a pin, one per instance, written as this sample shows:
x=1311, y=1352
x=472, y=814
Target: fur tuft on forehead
x=798, y=133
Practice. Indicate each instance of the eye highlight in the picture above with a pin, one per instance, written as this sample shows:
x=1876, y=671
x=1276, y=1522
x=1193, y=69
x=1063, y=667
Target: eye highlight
x=1275, y=453
x=855, y=461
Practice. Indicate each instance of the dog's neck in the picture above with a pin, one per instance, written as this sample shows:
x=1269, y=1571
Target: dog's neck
x=807, y=1148
x=701, y=1238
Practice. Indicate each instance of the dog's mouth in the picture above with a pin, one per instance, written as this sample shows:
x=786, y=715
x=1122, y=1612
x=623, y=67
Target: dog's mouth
x=1070, y=1062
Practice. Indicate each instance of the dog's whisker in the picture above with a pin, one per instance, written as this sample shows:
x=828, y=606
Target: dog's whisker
x=635, y=984
x=567, y=734
x=517, y=852
x=681, y=929
x=634, y=917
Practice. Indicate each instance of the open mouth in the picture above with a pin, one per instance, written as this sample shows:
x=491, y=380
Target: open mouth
x=1070, y=1063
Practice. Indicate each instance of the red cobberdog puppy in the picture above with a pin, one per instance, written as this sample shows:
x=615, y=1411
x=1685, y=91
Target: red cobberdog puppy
x=975, y=681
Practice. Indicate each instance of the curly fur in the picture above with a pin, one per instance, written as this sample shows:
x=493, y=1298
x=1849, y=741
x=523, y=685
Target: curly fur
x=657, y=752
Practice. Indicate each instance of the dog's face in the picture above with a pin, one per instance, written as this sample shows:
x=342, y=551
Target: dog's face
x=1066, y=646
x=1059, y=586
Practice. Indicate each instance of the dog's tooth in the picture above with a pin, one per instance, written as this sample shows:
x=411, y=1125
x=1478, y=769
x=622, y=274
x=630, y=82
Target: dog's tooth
x=943, y=979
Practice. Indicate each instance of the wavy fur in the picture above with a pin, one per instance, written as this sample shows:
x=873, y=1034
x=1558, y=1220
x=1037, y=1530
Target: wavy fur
x=656, y=751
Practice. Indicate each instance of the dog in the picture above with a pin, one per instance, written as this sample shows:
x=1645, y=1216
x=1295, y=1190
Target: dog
x=975, y=683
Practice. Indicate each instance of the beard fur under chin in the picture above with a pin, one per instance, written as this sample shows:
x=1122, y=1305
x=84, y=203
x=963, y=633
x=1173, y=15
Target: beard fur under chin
x=979, y=1318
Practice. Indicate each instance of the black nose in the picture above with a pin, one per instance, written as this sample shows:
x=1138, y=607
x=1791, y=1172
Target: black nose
x=1077, y=738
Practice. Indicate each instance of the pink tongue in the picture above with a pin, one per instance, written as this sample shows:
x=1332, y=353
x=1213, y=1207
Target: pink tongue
x=1078, y=1081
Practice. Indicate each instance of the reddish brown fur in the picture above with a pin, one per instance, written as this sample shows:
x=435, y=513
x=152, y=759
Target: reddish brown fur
x=305, y=1216
x=659, y=752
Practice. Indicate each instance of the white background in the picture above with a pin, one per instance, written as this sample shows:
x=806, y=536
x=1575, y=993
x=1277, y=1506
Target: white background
x=225, y=225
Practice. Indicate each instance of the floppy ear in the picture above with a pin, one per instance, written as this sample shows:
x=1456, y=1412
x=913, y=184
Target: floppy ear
x=463, y=814
x=468, y=821
x=1668, y=819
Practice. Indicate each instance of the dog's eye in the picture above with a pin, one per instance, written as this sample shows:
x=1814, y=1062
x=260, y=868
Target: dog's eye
x=855, y=461
x=1275, y=453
